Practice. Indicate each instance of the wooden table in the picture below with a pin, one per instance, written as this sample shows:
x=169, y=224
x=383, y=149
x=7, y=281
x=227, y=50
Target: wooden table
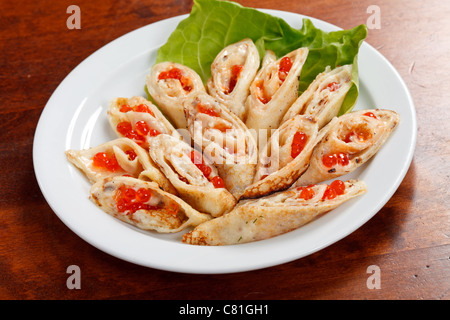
x=409, y=239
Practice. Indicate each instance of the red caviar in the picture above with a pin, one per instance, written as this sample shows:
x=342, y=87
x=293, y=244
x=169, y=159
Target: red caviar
x=207, y=110
x=125, y=108
x=330, y=160
x=143, y=108
x=177, y=74
x=124, y=128
x=333, y=86
x=306, y=193
x=223, y=127
x=172, y=208
x=263, y=98
x=139, y=108
x=213, y=113
x=329, y=194
x=218, y=182
x=197, y=159
x=205, y=169
x=298, y=143
x=335, y=189
x=106, y=161
x=338, y=186
x=342, y=158
x=142, y=129
x=131, y=154
x=370, y=114
x=235, y=72
x=143, y=195
x=128, y=200
x=284, y=68
x=154, y=132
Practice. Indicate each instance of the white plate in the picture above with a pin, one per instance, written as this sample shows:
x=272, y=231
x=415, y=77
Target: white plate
x=75, y=118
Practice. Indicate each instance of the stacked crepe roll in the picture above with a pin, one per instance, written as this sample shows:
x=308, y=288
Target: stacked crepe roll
x=225, y=139
x=233, y=71
x=274, y=89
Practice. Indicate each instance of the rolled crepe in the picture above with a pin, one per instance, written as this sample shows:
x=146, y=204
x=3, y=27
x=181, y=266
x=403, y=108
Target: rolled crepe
x=118, y=157
x=274, y=89
x=233, y=70
x=324, y=96
x=224, y=139
x=285, y=157
x=273, y=215
x=142, y=204
x=193, y=176
x=138, y=119
x=348, y=142
x=169, y=84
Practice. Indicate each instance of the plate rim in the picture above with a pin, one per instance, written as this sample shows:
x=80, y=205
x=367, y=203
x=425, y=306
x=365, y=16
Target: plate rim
x=222, y=269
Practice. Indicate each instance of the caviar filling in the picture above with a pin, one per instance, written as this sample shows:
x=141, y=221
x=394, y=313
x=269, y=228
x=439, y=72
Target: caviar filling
x=177, y=74
x=284, y=67
x=220, y=124
x=332, y=86
x=106, y=161
x=198, y=160
x=298, y=143
x=358, y=133
x=138, y=108
x=139, y=133
x=234, y=76
x=332, y=159
x=129, y=200
x=334, y=189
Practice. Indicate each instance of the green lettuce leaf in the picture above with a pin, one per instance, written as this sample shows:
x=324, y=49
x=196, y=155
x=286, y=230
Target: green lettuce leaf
x=214, y=24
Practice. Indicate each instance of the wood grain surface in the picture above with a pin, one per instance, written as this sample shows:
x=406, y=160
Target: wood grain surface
x=409, y=239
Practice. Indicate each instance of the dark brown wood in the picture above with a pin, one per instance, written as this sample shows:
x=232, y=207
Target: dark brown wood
x=409, y=239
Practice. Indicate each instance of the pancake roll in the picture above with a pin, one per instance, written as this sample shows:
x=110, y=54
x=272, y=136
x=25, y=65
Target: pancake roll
x=285, y=157
x=324, y=97
x=144, y=205
x=274, y=89
x=224, y=139
x=138, y=119
x=193, y=176
x=169, y=84
x=232, y=72
x=119, y=157
x=273, y=215
x=348, y=142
